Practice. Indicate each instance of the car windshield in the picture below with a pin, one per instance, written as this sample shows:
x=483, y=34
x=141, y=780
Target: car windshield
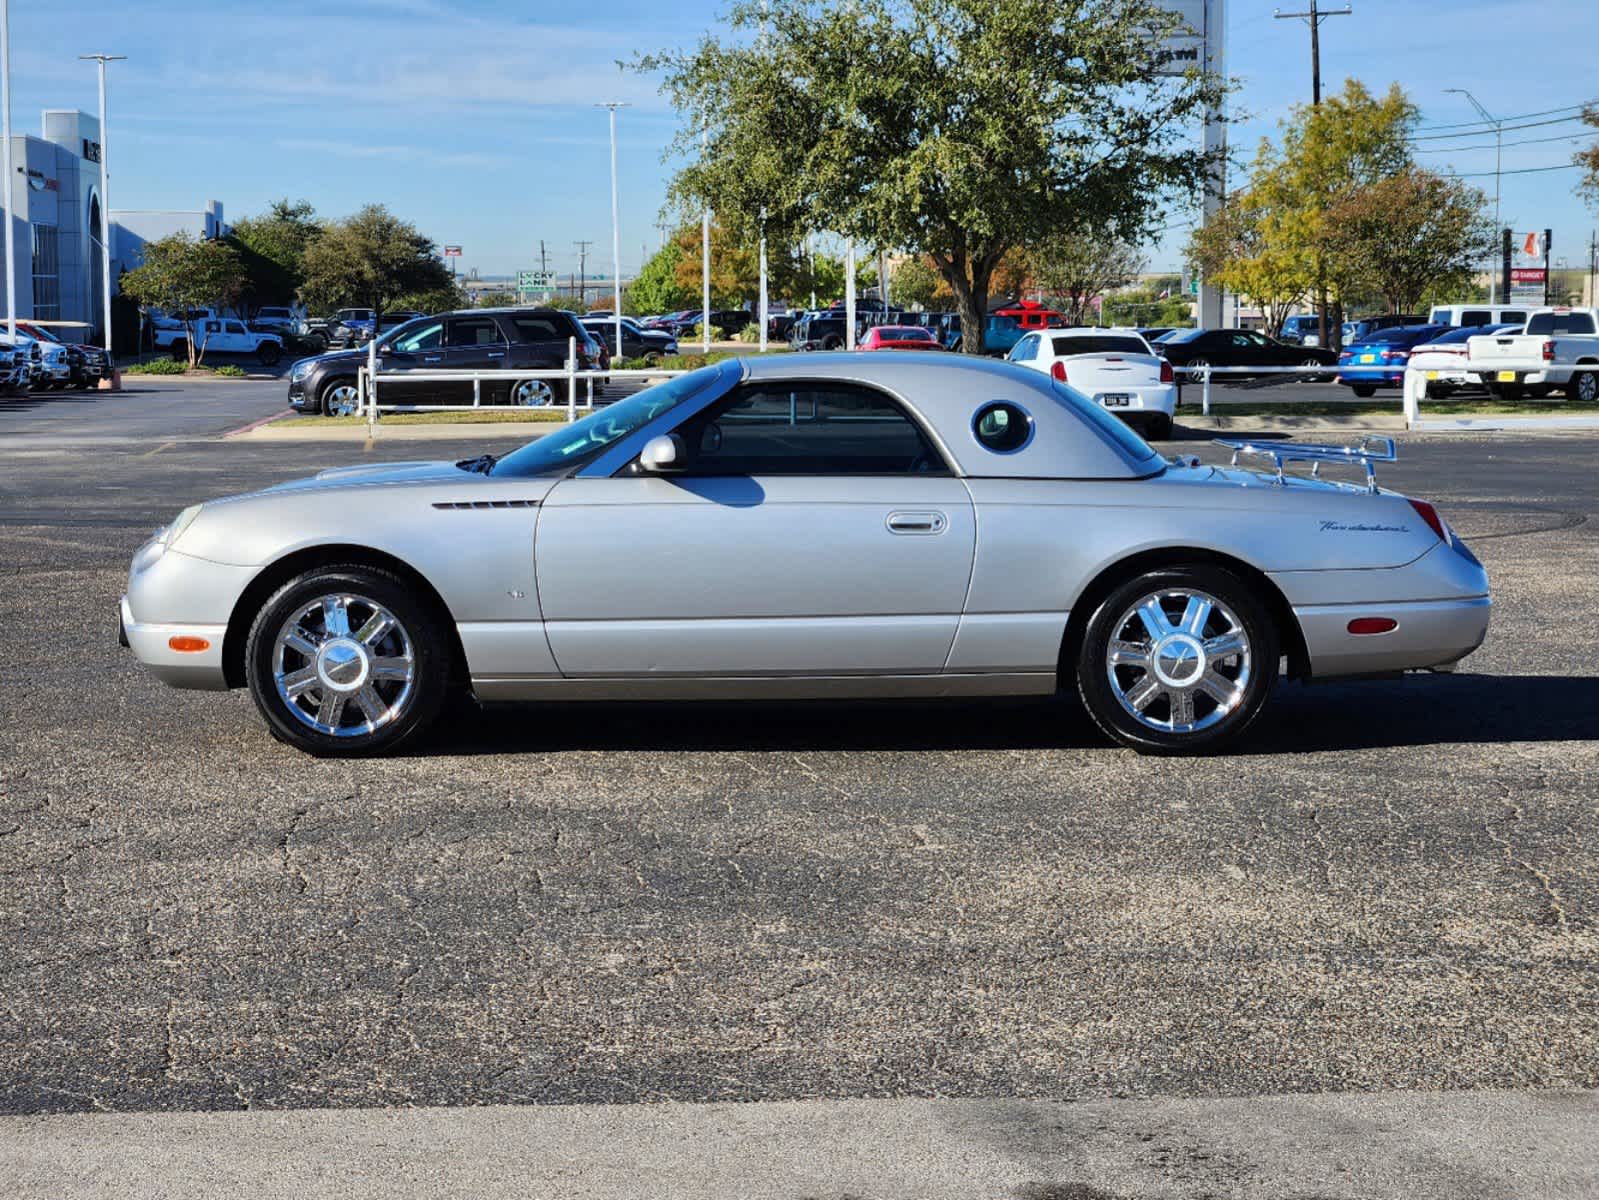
x=587, y=439
x=904, y=333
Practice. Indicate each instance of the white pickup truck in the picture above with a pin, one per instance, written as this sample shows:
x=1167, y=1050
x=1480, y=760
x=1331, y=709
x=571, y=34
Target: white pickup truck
x=1558, y=349
x=221, y=335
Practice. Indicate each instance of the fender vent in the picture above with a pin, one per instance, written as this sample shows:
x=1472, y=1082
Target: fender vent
x=485, y=504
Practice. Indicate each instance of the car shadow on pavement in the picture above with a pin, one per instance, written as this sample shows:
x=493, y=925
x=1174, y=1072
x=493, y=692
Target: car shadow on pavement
x=1417, y=710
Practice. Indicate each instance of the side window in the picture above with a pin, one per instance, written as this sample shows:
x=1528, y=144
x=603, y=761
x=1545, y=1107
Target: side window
x=1242, y=339
x=234, y=327
x=807, y=429
x=1511, y=317
x=1025, y=350
x=1474, y=316
x=425, y=337
x=473, y=331
x=538, y=329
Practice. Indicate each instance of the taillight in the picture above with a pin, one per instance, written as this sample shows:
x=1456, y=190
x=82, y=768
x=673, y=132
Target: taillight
x=1430, y=515
x=1058, y=372
x=1167, y=375
x=1548, y=351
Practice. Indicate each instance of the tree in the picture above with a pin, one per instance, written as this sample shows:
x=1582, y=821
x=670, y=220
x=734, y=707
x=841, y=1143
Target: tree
x=957, y=129
x=371, y=260
x=1409, y=232
x=496, y=299
x=1242, y=249
x=433, y=300
x=915, y=283
x=657, y=288
x=1588, y=160
x=272, y=248
x=180, y=272
x=1080, y=263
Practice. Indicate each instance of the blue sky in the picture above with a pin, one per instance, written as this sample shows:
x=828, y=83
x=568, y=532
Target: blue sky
x=475, y=119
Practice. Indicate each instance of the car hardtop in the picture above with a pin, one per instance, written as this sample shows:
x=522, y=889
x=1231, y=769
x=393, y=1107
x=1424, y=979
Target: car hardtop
x=1401, y=334
x=1071, y=436
x=1464, y=333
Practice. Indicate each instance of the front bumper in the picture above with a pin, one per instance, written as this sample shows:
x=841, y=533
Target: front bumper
x=152, y=645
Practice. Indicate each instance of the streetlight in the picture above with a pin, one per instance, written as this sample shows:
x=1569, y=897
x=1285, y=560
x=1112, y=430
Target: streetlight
x=616, y=228
x=105, y=199
x=1493, y=277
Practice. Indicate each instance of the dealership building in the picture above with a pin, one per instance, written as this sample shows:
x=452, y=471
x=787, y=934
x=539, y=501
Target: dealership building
x=55, y=222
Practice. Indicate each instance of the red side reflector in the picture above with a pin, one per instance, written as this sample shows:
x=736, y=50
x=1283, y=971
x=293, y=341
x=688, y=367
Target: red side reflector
x=1059, y=372
x=184, y=644
x=1430, y=515
x=1373, y=625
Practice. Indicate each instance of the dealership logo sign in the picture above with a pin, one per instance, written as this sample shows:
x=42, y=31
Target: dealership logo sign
x=39, y=182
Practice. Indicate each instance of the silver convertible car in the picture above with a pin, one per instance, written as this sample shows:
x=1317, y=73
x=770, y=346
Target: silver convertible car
x=832, y=525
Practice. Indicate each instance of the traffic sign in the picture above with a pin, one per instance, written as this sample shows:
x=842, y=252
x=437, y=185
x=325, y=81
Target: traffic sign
x=535, y=281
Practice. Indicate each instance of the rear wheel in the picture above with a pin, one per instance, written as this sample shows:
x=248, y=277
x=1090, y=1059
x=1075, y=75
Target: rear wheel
x=532, y=393
x=1584, y=387
x=344, y=660
x=269, y=353
x=1363, y=390
x=1179, y=660
x=180, y=351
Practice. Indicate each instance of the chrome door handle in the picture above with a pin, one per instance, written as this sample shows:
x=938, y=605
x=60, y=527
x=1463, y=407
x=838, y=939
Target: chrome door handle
x=432, y=358
x=924, y=523
x=499, y=355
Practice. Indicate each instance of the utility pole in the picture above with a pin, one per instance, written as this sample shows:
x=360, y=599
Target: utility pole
x=1314, y=18
x=544, y=259
x=1499, y=128
x=1592, y=299
x=582, y=269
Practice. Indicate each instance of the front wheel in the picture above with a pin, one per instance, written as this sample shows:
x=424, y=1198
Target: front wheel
x=340, y=398
x=1180, y=660
x=1364, y=390
x=269, y=353
x=344, y=660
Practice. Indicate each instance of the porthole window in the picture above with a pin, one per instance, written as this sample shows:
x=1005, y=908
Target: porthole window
x=1002, y=427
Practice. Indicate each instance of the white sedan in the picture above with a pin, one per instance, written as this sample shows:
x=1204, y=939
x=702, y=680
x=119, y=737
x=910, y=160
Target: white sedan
x=1113, y=367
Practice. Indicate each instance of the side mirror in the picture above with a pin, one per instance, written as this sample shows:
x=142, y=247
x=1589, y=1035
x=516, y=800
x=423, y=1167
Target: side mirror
x=662, y=454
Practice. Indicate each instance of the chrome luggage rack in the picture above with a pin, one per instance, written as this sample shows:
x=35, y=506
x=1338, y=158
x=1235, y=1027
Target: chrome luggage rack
x=1367, y=451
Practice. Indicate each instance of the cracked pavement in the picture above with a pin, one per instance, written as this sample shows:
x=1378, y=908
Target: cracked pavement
x=1393, y=888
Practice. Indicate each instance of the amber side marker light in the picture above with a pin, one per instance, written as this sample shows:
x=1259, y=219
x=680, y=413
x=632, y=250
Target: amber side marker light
x=1373, y=625
x=184, y=644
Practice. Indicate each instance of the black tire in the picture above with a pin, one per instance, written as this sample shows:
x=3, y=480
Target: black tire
x=833, y=343
x=1158, y=428
x=413, y=709
x=1438, y=391
x=180, y=351
x=1363, y=390
x=1236, y=604
x=269, y=353
x=1583, y=387
x=327, y=403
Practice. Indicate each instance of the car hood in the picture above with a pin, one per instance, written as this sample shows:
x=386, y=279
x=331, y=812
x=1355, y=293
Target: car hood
x=421, y=471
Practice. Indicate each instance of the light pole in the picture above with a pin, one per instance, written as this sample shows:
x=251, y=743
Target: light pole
x=5, y=100
x=705, y=265
x=1493, y=276
x=105, y=199
x=616, y=229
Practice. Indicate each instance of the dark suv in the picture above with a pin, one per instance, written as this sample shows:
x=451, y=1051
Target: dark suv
x=479, y=339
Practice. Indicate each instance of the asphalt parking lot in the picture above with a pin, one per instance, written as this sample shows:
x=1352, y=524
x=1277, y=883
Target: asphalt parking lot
x=1394, y=888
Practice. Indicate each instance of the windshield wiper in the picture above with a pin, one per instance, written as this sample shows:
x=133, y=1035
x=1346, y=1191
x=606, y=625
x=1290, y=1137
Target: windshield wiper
x=483, y=463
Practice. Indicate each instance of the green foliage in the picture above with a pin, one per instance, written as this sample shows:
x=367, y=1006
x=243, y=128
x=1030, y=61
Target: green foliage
x=157, y=366
x=563, y=300
x=1078, y=264
x=496, y=299
x=1143, y=306
x=371, y=260
x=272, y=248
x=435, y=300
x=957, y=129
x=229, y=371
x=915, y=284
x=657, y=288
x=1588, y=160
x=750, y=333
x=180, y=272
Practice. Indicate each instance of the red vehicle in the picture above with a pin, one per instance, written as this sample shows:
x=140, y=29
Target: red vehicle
x=1030, y=314
x=898, y=337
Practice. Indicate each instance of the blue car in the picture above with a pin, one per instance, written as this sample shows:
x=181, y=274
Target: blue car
x=1378, y=360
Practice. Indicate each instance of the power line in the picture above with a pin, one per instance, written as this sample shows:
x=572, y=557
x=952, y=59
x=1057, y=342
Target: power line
x=1518, y=171
x=1559, y=137
x=1441, y=137
x=1518, y=116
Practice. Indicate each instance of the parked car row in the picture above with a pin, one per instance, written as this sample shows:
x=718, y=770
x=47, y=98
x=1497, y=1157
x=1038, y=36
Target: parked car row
x=42, y=357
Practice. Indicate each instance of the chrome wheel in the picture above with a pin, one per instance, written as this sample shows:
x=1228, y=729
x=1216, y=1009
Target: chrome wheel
x=343, y=665
x=1179, y=661
x=532, y=393
x=342, y=399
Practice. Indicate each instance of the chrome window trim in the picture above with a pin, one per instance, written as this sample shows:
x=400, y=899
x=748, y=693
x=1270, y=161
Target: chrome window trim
x=985, y=406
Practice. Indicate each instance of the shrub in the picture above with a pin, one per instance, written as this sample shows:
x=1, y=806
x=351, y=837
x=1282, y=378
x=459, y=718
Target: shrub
x=718, y=334
x=750, y=333
x=157, y=366
x=230, y=371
